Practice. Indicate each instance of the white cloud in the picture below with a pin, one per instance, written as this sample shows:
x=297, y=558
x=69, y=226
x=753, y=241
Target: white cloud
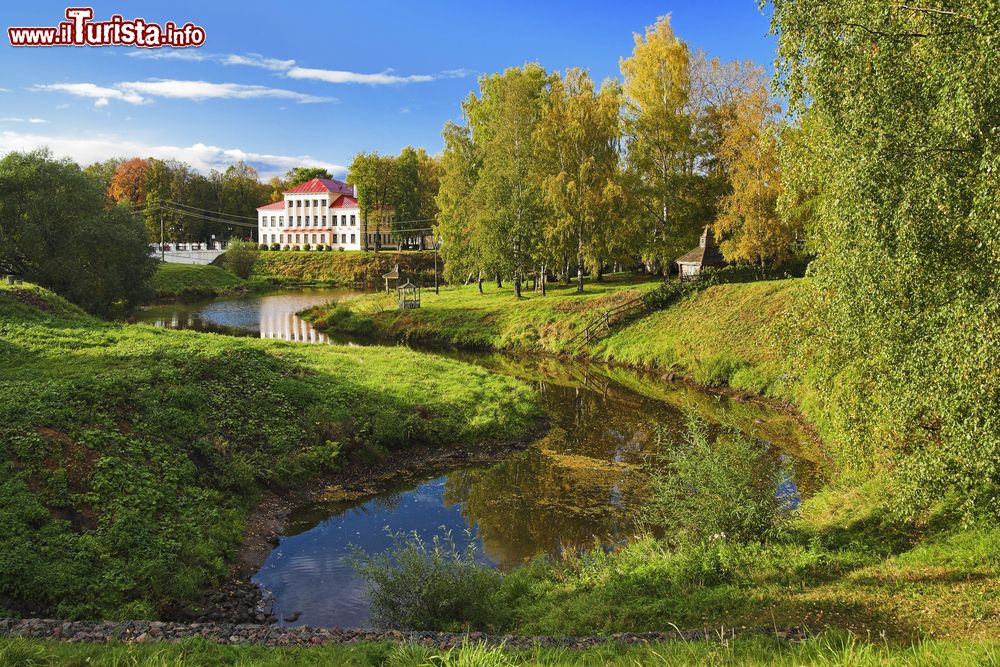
x=378, y=79
x=4, y=90
x=139, y=92
x=257, y=60
x=205, y=90
x=201, y=156
x=101, y=93
x=289, y=69
x=33, y=121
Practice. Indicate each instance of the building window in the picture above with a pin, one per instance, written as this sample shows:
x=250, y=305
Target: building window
x=324, y=221
x=307, y=221
x=298, y=219
x=352, y=221
x=343, y=238
x=298, y=203
x=352, y=238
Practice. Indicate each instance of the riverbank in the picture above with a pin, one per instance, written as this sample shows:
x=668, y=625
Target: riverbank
x=189, y=282
x=850, y=560
x=302, y=267
x=133, y=456
x=145, y=644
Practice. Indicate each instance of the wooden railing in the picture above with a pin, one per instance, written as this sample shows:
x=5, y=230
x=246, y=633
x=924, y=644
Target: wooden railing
x=602, y=323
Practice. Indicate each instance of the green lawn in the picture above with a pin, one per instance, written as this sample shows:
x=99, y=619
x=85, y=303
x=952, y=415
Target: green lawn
x=461, y=316
x=826, y=649
x=189, y=281
x=130, y=456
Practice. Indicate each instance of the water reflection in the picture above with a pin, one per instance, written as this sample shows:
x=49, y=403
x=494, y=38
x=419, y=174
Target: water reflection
x=271, y=315
x=577, y=487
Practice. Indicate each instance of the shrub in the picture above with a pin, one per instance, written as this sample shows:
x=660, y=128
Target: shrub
x=275, y=246
x=239, y=258
x=307, y=247
x=730, y=488
x=295, y=247
x=264, y=246
x=341, y=249
x=430, y=585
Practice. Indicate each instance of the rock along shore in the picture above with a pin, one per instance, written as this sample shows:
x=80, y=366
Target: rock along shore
x=266, y=635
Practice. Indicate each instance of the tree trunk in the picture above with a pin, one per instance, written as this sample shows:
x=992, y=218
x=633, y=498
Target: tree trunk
x=364, y=232
x=480, y=282
x=543, y=278
x=600, y=274
x=499, y=281
x=579, y=264
x=517, y=284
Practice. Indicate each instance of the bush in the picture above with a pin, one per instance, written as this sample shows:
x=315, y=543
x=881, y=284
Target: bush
x=263, y=246
x=341, y=249
x=430, y=585
x=239, y=258
x=275, y=246
x=307, y=247
x=731, y=488
x=295, y=247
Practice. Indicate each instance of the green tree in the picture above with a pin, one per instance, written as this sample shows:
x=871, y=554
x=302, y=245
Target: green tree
x=375, y=177
x=242, y=192
x=908, y=256
x=417, y=184
x=510, y=213
x=456, y=220
x=56, y=231
x=578, y=167
x=300, y=175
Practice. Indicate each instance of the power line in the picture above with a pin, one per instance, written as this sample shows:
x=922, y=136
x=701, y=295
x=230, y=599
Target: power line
x=235, y=215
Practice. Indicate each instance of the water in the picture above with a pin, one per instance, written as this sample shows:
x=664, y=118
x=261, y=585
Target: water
x=268, y=315
x=577, y=487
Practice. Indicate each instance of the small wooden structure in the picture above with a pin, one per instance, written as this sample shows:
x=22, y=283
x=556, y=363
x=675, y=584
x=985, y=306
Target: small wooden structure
x=392, y=275
x=706, y=255
x=408, y=295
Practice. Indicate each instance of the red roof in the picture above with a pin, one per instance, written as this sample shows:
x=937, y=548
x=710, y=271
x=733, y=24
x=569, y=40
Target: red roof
x=269, y=207
x=323, y=185
x=344, y=201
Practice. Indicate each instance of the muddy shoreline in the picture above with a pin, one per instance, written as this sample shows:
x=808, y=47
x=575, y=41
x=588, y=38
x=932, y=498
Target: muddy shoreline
x=240, y=600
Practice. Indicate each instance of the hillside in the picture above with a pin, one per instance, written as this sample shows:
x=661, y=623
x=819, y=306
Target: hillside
x=131, y=456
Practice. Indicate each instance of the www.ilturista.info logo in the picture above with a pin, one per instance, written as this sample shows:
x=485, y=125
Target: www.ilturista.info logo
x=80, y=30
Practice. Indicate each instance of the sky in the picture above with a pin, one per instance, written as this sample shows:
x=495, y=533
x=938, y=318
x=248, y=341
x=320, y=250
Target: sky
x=286, y=84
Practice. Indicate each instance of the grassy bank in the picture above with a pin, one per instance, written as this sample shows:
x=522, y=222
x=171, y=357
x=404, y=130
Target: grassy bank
x=193, y=281
x=849, y=560
x=340, y=268
x=828, y=649
x=463, y=317
x=130, y=456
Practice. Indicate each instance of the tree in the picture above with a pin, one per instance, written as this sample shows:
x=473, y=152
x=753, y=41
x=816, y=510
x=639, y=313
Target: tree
x=748, y=225
x=658, y=126
x=417, y=183
x=56, y=231
x=375, y=177
x=456, y=220
x=242, y=192
x=578, y=167
x=128, y=182
x=103, y=172
x=510, y=209
x=299, y=175
x=278, y=188
x=906, y=276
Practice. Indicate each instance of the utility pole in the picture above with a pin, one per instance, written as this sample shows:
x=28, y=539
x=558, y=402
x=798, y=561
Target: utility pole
x=435, y=264
x=162, y=257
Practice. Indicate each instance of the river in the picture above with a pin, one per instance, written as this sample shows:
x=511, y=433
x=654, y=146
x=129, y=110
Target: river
x=578, y=486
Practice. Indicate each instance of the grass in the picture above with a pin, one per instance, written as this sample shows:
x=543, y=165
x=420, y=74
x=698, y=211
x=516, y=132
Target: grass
x=825, y=649
x=340, y=268
x=131, y=456
x=463, y=317
x=192, y=281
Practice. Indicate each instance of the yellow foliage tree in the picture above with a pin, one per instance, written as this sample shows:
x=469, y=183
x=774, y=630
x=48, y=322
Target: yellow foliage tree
x=748, y=224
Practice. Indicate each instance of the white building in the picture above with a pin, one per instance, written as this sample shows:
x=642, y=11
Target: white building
x=319, y=212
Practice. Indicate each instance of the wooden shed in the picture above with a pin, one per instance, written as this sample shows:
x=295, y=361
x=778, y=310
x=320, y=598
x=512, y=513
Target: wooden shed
x=706, y=255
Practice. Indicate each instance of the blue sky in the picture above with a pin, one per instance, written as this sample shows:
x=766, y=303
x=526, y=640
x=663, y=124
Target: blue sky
x=240, y=95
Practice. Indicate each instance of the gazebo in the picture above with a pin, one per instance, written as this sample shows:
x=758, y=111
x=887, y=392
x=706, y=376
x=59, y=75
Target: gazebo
x=408, y=295
x=706, y=255
x=392, y=275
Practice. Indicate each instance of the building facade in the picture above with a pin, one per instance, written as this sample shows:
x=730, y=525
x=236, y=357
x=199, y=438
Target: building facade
x=320, y=212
